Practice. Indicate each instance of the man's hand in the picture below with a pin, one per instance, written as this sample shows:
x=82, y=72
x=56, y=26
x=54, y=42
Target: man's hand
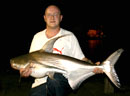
x=98, y=70
x=25, y=72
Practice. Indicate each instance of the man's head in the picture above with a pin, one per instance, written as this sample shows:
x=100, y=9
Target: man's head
x=52, y=16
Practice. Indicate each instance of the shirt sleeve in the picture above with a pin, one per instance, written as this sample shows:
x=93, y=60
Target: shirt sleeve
x=32, y=47
x=76, y=49
x=36, y=43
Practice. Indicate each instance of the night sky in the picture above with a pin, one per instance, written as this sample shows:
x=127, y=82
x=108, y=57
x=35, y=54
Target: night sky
x=22, y=22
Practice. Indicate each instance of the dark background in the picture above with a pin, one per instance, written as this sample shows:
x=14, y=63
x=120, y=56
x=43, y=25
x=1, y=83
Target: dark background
x=20, y=21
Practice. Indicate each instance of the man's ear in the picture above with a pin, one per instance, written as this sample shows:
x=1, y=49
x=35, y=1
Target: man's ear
x=61, y=17
x=44, y=17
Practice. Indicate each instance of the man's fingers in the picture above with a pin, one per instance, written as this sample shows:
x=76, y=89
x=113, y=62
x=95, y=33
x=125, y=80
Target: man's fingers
x=25, y=72
x=98, y=63
x=98, y=70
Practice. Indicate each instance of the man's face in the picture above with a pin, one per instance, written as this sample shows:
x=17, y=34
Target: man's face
x=52, y=17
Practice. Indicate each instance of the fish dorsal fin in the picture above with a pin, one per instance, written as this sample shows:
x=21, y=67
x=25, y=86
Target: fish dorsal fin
x=48, y=46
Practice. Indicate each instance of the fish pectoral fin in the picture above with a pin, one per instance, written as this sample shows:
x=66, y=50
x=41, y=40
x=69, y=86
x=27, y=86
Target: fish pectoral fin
x=50, y=74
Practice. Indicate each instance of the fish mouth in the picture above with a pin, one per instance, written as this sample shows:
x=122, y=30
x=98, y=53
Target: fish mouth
x=13, y=64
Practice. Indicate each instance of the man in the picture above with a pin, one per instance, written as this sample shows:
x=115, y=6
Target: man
x=68, y=46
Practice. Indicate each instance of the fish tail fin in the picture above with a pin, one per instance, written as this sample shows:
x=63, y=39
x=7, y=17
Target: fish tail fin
x=108, y=67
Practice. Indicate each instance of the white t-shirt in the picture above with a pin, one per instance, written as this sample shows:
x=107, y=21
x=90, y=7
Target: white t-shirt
x=67, y=46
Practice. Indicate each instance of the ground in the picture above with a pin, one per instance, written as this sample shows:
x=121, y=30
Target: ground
x=11, y=85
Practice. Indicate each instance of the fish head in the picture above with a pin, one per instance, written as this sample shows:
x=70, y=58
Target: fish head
x=20, y=62
x=14, y=65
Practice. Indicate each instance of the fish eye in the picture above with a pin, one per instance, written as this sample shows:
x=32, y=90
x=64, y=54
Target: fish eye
x=14, y=66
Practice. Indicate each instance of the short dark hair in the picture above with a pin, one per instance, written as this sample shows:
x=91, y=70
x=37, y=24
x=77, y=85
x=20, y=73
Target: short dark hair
x=57, y=4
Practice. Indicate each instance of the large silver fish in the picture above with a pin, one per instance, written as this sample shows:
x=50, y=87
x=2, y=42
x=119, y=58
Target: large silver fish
x=45, y=63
